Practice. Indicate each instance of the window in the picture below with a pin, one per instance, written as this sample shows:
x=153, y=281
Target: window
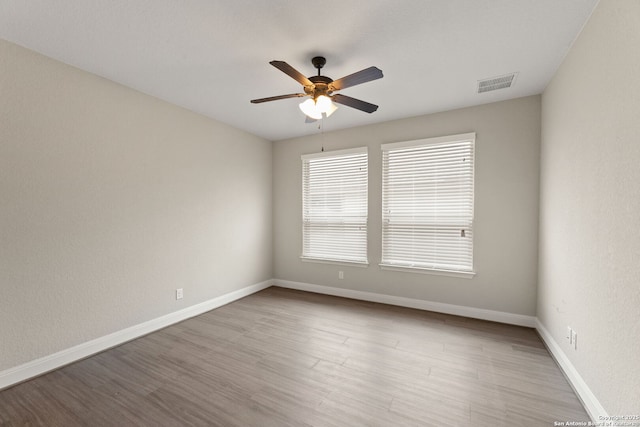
x=334, y=206
x=427, y=204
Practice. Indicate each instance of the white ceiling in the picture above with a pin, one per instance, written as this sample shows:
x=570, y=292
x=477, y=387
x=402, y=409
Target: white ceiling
x=212, y=56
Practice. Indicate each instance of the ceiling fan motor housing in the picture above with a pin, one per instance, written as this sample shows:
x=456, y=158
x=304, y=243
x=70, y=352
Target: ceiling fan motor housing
x=320, y=86
x=320, y=83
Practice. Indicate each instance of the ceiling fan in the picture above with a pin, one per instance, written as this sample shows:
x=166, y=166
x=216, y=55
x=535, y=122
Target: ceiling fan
x=321, y=88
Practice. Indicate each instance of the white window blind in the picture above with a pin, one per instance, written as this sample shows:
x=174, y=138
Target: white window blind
x=334, y=206
x=427, y=203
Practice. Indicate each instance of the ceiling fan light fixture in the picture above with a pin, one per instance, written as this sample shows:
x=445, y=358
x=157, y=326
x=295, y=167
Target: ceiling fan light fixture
x=310, y=108
x=314, y=108
x=325, y=105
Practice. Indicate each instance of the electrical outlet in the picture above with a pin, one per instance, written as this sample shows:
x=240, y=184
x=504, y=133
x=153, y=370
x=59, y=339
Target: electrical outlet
x=179, y=293
x=340, y=275
x=574, y=339
x=569, y=334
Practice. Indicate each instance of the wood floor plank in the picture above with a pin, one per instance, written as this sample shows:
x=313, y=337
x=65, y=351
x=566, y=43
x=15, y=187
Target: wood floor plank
x=288, y=358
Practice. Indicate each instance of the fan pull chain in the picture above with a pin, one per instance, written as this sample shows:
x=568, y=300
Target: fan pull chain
x=321, y=129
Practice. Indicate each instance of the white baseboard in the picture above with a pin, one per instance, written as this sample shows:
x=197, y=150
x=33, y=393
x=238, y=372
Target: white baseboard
x=48, y=363
x=589, y=400
x=458, y=310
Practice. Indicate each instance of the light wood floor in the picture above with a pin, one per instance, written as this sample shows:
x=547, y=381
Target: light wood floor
x=289, y=358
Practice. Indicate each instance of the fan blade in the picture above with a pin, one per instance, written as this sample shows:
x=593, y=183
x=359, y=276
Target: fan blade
x=292, y=72
x=362, y=76
x=275, y=98
x=354, y=103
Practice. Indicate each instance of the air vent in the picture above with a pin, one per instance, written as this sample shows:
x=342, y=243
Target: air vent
x=495, y=83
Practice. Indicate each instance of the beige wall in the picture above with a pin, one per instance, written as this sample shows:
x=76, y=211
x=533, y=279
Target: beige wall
x=110, y=200
x=506, y=208
x=590, y=205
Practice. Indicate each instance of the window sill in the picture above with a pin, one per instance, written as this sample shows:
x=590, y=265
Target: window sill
x=332, y=261
x=422, y=270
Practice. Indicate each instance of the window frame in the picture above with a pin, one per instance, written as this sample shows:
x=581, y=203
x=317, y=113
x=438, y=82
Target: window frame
x=311, y=257
x=386, y=264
